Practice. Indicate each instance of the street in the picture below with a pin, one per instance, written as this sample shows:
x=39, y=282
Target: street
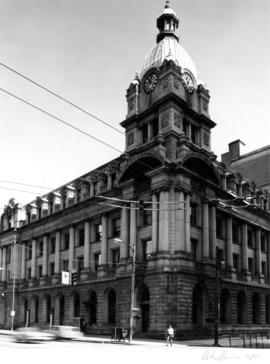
x=87, y=352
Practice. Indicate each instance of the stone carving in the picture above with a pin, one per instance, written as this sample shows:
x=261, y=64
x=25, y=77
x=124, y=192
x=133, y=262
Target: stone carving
x=131, y=104
x=178, y=120
x=165, y=82
x=175, y=82
x=165, y=120
x=205, y=104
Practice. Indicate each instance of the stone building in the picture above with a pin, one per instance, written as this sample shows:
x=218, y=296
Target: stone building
x=254, y=165
x=167, y=194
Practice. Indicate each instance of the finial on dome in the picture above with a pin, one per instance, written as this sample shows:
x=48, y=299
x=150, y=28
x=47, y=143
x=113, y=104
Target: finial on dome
x=167, y=23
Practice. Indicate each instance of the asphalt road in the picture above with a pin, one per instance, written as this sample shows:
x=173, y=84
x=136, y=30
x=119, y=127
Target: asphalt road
x=67, y=352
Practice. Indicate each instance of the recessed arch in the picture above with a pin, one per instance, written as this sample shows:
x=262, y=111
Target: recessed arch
x=138, y=166
x=201, y=166
x=241, y=307
x=225, y=306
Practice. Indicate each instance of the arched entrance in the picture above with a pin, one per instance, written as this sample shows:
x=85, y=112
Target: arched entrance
x=241, y=308
x=256, y=317
x=77, y=309
x=145, y=309
x=225, y=307
x=111, y=307
x=27, y=313
x=199, y=305
x=267, y=309
x=61, y=309
x=92, y=308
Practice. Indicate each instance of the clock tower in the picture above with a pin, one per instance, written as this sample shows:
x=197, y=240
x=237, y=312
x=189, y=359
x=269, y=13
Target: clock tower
x=167, y=103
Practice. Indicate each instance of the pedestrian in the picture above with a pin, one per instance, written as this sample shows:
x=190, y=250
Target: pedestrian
x=170, y=335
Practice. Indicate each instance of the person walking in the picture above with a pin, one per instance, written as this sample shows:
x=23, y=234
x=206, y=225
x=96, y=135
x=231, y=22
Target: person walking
x=170, y=335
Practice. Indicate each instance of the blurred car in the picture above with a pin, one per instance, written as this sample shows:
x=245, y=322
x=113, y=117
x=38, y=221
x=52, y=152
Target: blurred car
x=66, y=332
x=32, y=334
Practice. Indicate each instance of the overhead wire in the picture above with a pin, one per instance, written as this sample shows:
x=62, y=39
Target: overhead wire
x=60, y=97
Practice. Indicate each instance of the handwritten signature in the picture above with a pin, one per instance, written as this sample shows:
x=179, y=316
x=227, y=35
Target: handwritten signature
x=218, y=356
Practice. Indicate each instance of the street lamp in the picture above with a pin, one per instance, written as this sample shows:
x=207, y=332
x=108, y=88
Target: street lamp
x=12, y=312
x=132, y=288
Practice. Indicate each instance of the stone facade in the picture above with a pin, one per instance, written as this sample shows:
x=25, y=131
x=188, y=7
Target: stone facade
x=168, y=196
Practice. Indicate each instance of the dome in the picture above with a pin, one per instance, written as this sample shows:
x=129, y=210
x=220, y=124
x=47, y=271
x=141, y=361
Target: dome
x=169, y=48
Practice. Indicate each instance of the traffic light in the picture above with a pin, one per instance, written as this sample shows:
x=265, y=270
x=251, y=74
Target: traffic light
x=74, y=278
x=141, y=205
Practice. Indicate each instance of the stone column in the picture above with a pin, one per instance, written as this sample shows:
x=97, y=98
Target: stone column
x=268, y=255
x=124, y=232
x=57, y=252
x=23, y=261
x=213, y=233
x=179, y=222
x=155, y=213
x=229, y=242
x=205, y=230
x=45, y=256
x=258, y=252
x=133, y=225
x=86, y=247
x=34, y=258
x=187, y=223
x=104, y=240
x=4, y=264
x=163, y=221
x=1, y=254
x=15, y=260
x=71, y=252
x=92, y=189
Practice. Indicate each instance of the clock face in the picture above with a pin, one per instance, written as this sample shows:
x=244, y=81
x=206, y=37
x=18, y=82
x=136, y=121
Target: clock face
x=150, y=82
x=188, y=82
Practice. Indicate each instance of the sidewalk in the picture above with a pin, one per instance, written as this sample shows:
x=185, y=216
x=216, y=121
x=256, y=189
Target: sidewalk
x=236, y=342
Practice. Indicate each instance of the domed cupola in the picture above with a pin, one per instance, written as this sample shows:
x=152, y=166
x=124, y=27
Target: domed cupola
x=168, y=47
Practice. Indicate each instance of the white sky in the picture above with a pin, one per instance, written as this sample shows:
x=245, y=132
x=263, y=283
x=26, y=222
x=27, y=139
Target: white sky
x=89, y=50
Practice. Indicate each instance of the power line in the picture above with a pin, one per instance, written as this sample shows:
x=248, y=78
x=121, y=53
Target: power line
x=17, y=190
x=61, y=98
x=25, y=184
x=60, y=120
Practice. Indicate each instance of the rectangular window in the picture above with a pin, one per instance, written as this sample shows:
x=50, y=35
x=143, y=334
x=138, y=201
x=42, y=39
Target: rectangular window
x=236, y=232
x=66, y=241
x=116, y=227
x=155, y=128
x=185, y=127
x=236, y=262
x=39, y=271
x=98, y=234
x=146, y=249
x=194, y=134
x=28, y=251
x=52, y=269
x=194, y=248
x=193, y=214
x=65, y=265
x=115, y=257
x=40, y=249
x=8, y=254
x=220, y=227
x=264, y=268
x=250, y=238
x=251, y=265
x=80, y=263
x=81, y=237
x=28, y=273
x=144, y=133
x=146, y=217
x=263, y=243
x=97, y=260
x=52, y=245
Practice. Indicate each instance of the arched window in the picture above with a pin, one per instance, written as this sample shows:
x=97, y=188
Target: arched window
x=225, y=307
x=241, y=308
x=256, y=308
x=111, y=307
x=200, y=305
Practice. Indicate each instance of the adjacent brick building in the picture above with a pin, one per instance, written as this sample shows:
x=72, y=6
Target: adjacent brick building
x=167, y=194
